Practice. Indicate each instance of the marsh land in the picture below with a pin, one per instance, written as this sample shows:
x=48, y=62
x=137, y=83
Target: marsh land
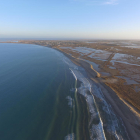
x=115, y=66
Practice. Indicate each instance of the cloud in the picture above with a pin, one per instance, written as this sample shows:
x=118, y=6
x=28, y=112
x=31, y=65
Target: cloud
x=111, y=2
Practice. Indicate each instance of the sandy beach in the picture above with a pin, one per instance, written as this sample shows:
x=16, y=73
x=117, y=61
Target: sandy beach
x=130, y=119
x=124, y=108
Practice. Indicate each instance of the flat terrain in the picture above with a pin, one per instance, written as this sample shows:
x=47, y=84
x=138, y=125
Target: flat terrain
x=117, y=63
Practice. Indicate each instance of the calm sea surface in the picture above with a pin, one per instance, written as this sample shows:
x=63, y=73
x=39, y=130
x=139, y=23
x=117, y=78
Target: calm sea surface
x=35, y=94
x=44, y=96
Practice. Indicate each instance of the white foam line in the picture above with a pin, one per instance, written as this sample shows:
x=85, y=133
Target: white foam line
x=87, y=86
x=70, y=137
x=109, y=108
x=86, y=81
x=117, y=135
x=73, y=74
x=99, y=116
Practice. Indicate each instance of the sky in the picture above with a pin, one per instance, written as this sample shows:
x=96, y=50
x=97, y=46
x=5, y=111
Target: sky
x=82, y=19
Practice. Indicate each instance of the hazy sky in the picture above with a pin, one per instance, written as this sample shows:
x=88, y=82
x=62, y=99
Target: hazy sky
x=105, y=19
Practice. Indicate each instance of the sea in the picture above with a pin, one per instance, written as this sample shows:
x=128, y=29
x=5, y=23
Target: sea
x=45, y=96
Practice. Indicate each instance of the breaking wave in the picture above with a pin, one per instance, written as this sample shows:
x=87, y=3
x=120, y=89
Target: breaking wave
x=70, y=101
x=70, y=137
x=90, y=90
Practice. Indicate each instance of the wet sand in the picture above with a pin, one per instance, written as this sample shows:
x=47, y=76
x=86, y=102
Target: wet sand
x=130, y=120
x=129, y=115
x=123, y=68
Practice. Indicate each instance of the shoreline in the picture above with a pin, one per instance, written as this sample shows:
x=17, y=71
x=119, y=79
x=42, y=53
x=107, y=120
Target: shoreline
x=120, y=108
x=130, y=120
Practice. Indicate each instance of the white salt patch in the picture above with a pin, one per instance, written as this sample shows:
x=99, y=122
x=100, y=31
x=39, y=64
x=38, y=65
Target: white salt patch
x=125, y=59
